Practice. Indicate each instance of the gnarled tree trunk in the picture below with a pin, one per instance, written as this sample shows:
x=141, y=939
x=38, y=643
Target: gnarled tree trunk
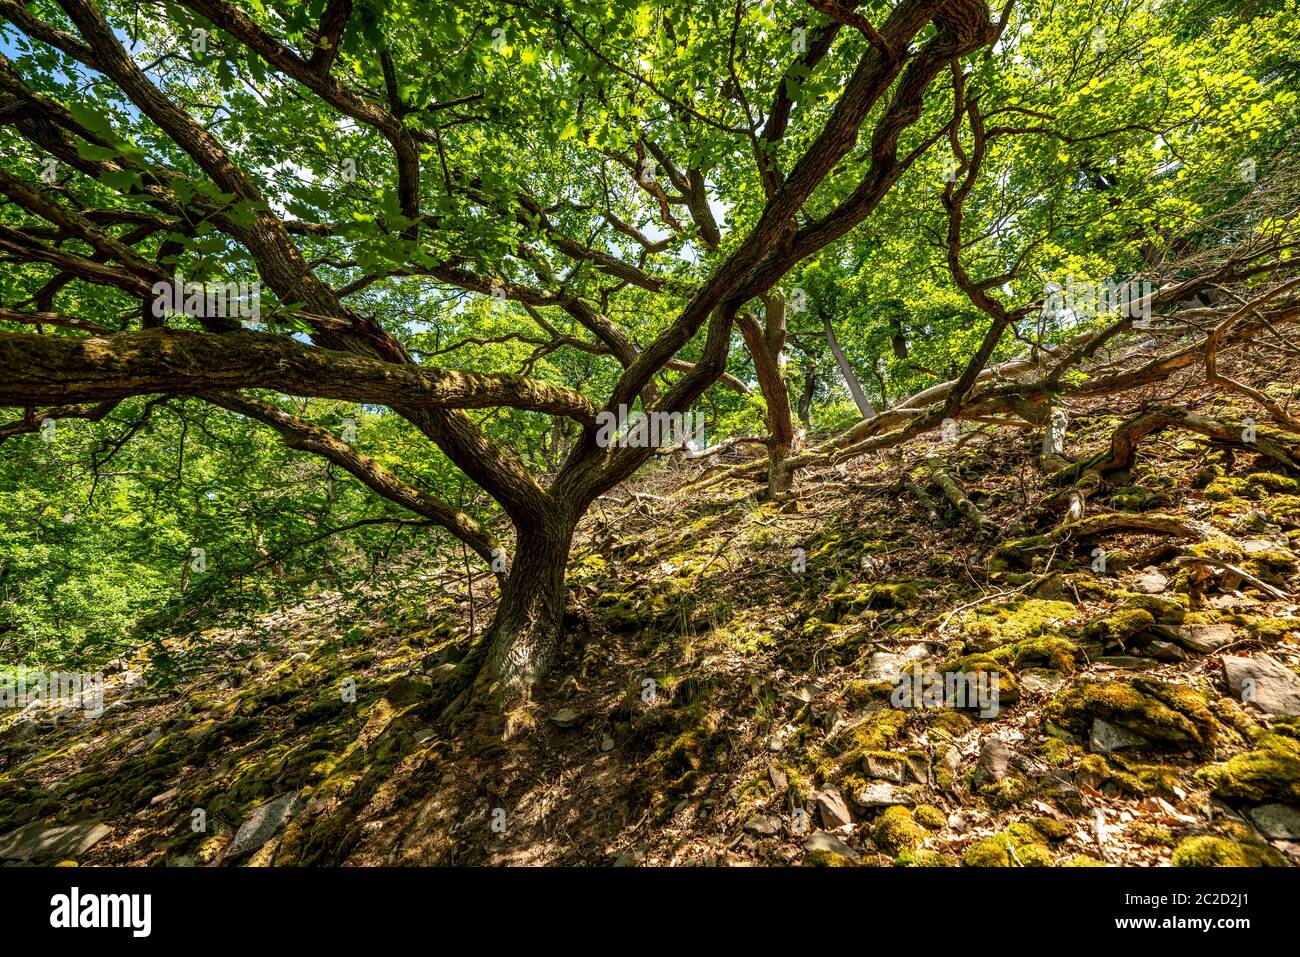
x=525, y=636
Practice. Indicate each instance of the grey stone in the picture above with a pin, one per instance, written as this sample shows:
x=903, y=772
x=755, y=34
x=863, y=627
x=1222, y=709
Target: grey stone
x=1232, y=602
x=824, y=841
x=780, y=780
x=992, y=764
x=1163, y=631
x=834, y=809
x=1206, y=639
x=262, y=824
x=1278, y=822
x=566, y=718
x=1151, y=581
x=606, y=744
x=1166, y=651
x=806, y=692
x=441, y=673
x=763, y=825
x=1290, y=848
x=1127, y=662
x=883, y=795
x=885, y=769
x=952, y=760
x=1041, y=682
x=164, y=796
x=1256, y=545
x=884, y=667
x=1107, y=737
x=38, y=841
x=916, y=652
x=1265, y=682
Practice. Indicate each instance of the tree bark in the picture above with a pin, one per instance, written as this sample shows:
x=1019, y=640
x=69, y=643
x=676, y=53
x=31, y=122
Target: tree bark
x=846, y=370
x=806, y=398
x=767, y=348
x=1052, y=456
x=525, y=636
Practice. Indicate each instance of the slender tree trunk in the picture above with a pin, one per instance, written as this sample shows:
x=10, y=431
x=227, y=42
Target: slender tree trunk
x=880, y=382
x=806, y=399
x=846, y=370
x=767, y=348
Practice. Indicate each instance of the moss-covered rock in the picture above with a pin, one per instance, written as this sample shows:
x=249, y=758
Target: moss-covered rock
x=1124, y=774
x=1268, y=629
x=1151, y=834
x=863, y=596
x=876, y=732
x=949, y=724
x=1273, y=565
x=993, y=626
x=1048, y=651
x=979, y=670
x=1227, y=488
x=1021, y=847
x=1134, y=498
x=659, y=604
x=684, y=743
x=1050, y=828
x=929, y=816
x=825, y=858
x=1271, y=772
x=1168, y=715
x=1217, y=546
x=897, y=831
x=1119, y=627
x=923, y=857
x=1210, y=851
x=1165, y=609
x=1273, y=482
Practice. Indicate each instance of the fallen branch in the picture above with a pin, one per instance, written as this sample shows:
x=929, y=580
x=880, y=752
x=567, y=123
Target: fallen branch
x=1243, y=574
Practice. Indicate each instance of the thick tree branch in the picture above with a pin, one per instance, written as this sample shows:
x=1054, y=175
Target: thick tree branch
x=64, y=369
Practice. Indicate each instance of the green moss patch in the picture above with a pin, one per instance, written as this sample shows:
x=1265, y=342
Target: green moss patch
x=897, y=831
x=1168, y=715
x=1269, y=773
x=1018, y=846
x=1210, y=851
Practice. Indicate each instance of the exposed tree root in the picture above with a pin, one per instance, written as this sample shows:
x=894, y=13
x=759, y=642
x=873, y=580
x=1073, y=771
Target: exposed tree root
x=1023, y=550
x=955, y=494
x=922, y=496
x=1124, y=444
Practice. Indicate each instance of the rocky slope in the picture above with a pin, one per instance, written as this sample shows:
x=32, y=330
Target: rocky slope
x=732, y=692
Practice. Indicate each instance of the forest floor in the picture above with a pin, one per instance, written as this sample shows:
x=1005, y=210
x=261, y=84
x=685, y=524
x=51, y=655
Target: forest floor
x=729, y=697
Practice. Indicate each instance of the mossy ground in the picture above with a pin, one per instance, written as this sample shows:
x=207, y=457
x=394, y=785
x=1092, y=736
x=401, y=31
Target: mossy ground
x=736, y=657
